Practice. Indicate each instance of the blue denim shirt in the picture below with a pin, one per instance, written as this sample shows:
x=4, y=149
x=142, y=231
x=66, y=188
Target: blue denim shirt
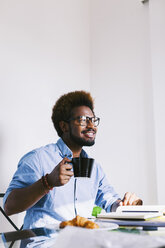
x=61, y=202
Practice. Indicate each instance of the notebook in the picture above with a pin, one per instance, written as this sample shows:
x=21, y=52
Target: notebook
x=139, y=212
x=133, y=216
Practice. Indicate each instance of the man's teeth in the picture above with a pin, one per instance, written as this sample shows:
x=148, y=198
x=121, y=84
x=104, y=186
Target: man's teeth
x=89, y=134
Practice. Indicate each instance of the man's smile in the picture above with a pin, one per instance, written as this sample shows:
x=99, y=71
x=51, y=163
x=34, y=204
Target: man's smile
x=89, y=133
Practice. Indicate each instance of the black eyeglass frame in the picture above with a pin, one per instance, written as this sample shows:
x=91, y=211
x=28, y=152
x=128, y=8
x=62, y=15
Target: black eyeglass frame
x=93, y=119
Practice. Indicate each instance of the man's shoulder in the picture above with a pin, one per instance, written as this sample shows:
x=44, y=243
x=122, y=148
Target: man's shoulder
x=49, y=147
x=35, y=153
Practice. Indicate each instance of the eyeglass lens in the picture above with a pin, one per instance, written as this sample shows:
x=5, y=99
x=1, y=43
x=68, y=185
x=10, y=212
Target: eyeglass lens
x=84, y=120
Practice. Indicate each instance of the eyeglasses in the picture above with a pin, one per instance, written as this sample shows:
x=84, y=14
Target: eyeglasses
x=84, y=120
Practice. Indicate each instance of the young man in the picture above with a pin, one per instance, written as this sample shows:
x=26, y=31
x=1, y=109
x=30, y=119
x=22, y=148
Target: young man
x=44, y=184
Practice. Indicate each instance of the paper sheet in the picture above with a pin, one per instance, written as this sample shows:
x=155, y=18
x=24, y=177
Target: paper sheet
x=76, y=237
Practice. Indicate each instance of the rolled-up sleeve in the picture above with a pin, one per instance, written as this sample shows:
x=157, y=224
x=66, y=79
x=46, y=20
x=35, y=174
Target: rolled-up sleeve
x=106, y=194
x=27, y=173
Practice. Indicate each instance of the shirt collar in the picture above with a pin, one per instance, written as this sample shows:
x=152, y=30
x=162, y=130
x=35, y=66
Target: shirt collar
x=64, y=149
x=66, y=152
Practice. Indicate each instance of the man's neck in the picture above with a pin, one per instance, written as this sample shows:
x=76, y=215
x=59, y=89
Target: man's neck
x=76, y=155
x=76, y=149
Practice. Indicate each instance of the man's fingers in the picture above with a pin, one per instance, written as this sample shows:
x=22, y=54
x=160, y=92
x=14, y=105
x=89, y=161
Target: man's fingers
x=131, y=199
x=138, y=202
x=64, y=177
x=126, y=198
x=67, y=166
x=66, y=170
x=61, y=173
x=68, y=173
x=65, y=160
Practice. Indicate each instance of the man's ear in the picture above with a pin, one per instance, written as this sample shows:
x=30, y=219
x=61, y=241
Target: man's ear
x=64, y=126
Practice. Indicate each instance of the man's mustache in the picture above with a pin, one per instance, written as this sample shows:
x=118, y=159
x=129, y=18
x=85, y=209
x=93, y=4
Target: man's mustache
x=89, y=129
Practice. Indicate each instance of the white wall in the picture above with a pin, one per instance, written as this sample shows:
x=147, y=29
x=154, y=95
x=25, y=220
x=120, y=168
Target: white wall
x=122, y=85
x=44, y=49
x=157, y=33
x=127, y=65
x=44, y=52
x=113, y=48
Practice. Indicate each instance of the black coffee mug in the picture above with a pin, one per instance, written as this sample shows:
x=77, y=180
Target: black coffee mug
x=82, y=167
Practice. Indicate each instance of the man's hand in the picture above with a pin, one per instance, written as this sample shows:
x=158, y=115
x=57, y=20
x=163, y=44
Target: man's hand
x=61, y=173
x=128, y=199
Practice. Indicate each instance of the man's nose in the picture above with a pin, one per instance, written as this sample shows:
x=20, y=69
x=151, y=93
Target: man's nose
x=90, y=124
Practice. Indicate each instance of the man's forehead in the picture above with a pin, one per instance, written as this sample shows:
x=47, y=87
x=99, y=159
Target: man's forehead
x=82, y=110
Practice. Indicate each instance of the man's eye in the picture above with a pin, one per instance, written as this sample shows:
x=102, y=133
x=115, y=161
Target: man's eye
x=82, y=119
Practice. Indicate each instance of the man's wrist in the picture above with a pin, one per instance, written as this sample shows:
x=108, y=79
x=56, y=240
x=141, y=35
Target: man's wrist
x=115, y=205
x=46, y=183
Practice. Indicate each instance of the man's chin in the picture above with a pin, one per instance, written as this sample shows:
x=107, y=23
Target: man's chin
x=89, y=143
x=82, y=142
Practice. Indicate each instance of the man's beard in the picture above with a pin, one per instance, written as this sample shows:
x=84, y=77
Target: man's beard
x=80, y=141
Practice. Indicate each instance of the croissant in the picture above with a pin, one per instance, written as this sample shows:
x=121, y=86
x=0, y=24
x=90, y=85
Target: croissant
x=79, y=221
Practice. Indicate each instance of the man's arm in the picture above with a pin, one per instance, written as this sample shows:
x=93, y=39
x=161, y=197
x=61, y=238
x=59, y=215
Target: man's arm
x=21, y=199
